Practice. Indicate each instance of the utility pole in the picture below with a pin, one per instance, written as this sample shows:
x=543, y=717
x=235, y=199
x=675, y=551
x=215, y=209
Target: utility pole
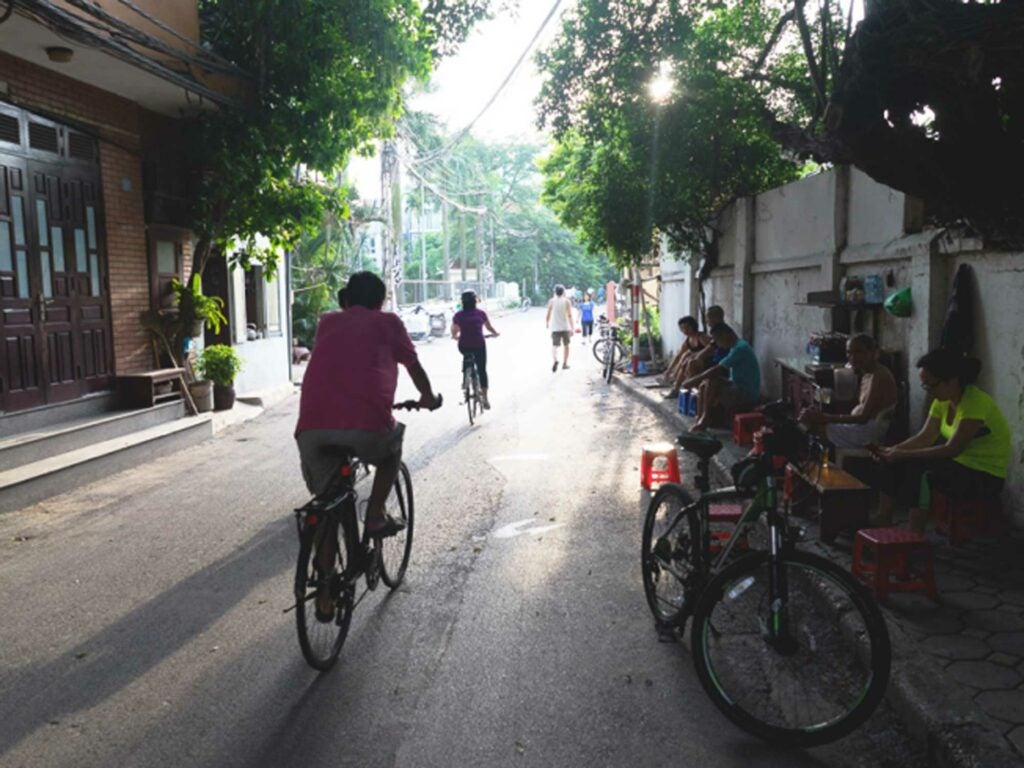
x=446, y=252
x=391, y=233
x=490, y=260
x=480, y=255
x=423, y=250
x=462, y=245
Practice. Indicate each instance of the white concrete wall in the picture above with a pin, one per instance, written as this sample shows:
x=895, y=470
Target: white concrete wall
x=808, y=234
x=795, y=220
x=781, y=326
x=876, y=211
x=677, y=284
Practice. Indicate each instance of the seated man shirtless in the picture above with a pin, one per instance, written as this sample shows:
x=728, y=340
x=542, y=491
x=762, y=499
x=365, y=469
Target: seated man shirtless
x=869, y=420
x=732, y=385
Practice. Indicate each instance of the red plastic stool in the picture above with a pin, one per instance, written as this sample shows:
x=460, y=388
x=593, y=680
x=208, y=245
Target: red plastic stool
x=725, y=515
x=893, y=548
x=961, y=519
x=659, y=464
x=744, y=425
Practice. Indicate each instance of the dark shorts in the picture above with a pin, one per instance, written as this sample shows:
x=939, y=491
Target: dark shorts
x=561, y=338
x=733, y=400
x=588, y=327
x=910, y=483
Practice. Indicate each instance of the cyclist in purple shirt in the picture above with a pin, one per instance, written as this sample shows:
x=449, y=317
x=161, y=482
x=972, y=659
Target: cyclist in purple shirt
x=468, y=329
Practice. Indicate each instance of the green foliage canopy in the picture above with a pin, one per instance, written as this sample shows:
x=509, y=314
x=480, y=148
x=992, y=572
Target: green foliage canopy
x=626, y=165
x=326, y=79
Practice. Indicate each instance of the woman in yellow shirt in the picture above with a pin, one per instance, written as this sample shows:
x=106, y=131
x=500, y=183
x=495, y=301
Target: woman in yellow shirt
x=973, y=457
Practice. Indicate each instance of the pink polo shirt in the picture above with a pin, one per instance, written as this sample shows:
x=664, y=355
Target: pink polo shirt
x=351, y=378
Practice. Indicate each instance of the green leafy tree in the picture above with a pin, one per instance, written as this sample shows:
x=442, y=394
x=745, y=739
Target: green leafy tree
x=325, y=78
x=531, y=247
x=627, y=164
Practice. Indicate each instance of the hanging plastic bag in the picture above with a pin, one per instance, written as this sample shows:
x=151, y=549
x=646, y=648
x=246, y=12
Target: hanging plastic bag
x=899, y=304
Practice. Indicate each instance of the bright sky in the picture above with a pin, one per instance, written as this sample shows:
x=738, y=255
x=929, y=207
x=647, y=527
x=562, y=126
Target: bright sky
x=466, y=81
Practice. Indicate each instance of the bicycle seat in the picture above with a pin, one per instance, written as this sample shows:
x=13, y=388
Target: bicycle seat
x=704, y=446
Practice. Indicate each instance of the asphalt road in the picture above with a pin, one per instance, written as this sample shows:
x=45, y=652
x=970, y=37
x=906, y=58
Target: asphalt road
x=142, y=618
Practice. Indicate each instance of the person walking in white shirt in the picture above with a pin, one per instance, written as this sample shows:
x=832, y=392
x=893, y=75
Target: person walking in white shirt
x=560, y=321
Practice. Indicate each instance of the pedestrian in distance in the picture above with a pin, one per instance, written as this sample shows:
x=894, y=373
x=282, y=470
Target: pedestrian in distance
x=587, y=317
x=560, y=322
x=468, y=330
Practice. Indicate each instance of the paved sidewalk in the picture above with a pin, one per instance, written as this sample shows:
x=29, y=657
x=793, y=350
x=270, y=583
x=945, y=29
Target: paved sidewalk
x=958, y=664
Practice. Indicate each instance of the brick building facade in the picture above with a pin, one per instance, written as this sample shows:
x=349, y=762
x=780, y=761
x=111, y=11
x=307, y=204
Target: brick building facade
x=58, y=345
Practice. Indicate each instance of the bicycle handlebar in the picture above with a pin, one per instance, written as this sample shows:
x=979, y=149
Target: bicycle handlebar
x=414, y=405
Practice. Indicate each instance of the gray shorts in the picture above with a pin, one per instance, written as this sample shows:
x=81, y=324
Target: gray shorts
x=561, y=337
x=319, y=468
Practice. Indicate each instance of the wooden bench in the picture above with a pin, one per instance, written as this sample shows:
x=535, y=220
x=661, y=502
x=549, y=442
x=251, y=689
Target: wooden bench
x=147, y=389
x=843, y=500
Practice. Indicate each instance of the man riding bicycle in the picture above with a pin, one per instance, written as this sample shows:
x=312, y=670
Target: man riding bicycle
x=348, y=391
x=468, y=329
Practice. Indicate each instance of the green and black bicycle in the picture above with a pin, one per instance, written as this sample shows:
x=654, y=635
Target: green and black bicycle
x=787, y=644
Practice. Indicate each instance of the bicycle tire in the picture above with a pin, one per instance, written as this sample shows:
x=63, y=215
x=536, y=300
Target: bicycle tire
x=598, y=349
x=467, y=395
x=395, y=550
x=475, y=382
x=833, y=674
x=671, y=555
x=320, y=642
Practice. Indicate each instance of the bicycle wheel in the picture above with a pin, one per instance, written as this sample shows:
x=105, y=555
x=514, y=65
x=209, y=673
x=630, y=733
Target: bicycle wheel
x=598, y=348
x=820, y=679
x=467, y=393
x=670, y=556
x=475, y=392
x=394, y=550
x=320, y=641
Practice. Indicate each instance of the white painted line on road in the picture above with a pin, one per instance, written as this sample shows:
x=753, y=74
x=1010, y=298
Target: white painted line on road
x=512, y=530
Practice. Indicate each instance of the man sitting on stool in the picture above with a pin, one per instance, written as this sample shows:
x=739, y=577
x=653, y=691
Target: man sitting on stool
x=869, y=420
x=735, y=394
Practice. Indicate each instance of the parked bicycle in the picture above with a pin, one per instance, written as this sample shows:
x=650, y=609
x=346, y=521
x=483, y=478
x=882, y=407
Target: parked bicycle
x=362, y=555
x=789, y=646
x=608, y=350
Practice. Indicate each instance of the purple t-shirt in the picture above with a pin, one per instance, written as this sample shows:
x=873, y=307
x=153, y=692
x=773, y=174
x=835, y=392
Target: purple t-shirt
x=471, y=327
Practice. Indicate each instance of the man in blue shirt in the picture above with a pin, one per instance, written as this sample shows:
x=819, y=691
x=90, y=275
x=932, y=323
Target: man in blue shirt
x=733, y=384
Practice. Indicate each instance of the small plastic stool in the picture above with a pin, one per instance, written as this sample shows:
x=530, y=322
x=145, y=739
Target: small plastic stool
x=744, y=425
x=892, y=549
x=961, y=519
x=659, y=464
x=687, y=402
x=724, y=515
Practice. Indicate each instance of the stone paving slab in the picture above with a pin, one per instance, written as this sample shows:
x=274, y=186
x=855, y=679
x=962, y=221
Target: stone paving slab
x=958, y=671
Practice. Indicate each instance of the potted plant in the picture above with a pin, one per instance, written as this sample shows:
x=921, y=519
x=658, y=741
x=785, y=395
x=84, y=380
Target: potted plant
x=196, y=309
x=220, y=364
x=202, y=394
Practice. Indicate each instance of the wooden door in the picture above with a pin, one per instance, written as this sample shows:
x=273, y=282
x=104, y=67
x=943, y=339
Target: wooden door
x=54, y=303
x=74, y=321
x=21, y=378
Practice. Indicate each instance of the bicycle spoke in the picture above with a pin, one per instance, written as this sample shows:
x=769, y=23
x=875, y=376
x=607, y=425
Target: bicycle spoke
x=812, y=682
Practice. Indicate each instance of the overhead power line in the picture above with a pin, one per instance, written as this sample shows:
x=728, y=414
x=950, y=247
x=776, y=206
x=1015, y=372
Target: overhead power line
x=494, y=97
